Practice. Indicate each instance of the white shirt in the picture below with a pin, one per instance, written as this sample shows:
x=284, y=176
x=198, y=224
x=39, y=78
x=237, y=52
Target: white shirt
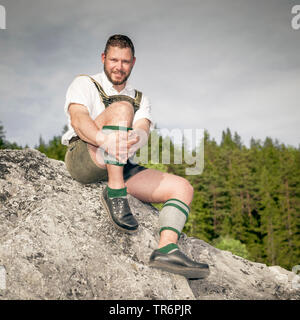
x=83, y=91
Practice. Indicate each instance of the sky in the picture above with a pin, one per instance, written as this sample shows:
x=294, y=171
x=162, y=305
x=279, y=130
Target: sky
x=204, y=64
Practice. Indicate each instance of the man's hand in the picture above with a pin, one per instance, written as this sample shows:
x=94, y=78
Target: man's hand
x=118, y=143
x=141, y=138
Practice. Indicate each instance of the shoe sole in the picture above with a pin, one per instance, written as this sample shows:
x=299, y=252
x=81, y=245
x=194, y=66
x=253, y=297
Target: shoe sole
x=112, y=220
x=190, y=273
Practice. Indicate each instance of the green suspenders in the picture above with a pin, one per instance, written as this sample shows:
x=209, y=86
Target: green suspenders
x=107, y=100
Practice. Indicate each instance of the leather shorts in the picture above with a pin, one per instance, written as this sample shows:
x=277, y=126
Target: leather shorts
x=83, y=169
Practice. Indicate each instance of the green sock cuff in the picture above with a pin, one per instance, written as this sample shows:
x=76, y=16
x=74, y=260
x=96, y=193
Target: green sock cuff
x=170, y=228
x=169, y=247
x=184, y=204
x=116, y=128
x=116, y=163
x=116, y=193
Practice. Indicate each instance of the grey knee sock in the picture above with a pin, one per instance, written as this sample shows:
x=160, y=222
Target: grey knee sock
x=109, y=159
x=173, y=216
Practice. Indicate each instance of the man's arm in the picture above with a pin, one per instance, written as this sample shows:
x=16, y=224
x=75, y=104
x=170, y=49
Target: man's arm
x=143, y=124
x=84, y=126
x=87, y=130
x=141, y=128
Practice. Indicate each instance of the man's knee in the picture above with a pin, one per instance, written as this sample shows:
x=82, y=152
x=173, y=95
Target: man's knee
x=183, y=190
x=121, y=109
x=187, y=187
x=116, y=113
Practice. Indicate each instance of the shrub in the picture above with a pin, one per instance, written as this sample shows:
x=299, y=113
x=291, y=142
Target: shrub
x=229, y=244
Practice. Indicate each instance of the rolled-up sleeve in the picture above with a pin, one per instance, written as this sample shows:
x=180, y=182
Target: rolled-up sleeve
x=79, y=93
x=144, y=112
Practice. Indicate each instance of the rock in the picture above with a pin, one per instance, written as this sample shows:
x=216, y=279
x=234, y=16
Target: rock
x=56, y=242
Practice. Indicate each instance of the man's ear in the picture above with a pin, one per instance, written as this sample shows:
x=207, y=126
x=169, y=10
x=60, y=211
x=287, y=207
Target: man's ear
x=133, y=61
x=103, y=57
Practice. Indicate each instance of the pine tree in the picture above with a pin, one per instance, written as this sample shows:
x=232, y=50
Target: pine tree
x=4, y=144
x=2, y=136
x=54, y=148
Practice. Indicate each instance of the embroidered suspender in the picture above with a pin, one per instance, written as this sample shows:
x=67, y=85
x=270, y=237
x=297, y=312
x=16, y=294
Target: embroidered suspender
x=107, y=100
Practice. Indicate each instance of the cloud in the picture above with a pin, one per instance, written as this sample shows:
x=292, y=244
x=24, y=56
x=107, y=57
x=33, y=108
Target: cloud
x=207, y=64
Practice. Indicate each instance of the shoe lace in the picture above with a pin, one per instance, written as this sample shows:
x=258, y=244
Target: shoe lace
x=118, y=204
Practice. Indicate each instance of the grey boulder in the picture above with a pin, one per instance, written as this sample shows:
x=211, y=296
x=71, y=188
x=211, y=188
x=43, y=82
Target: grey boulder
x=57, y=242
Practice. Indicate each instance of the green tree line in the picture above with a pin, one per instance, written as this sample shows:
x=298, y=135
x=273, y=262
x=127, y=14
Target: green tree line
x=5, y=144
x=252, y=195
x=246, y=200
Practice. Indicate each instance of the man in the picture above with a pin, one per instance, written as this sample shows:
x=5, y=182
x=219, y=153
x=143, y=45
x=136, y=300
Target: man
x=103, y=111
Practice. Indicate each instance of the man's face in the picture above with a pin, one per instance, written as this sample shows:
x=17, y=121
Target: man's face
x=118, y=64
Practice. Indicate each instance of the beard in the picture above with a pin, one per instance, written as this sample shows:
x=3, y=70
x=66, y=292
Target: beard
x=114, y=82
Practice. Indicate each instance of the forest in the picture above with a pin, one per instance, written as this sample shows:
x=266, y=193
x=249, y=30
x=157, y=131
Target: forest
x=246, y=200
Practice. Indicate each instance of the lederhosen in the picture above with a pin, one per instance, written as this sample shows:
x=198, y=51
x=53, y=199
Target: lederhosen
x=130, y=168
x=108, y=100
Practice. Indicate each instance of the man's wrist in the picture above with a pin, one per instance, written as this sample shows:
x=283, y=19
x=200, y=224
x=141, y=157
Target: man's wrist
x=143, y=136
x=101, y=139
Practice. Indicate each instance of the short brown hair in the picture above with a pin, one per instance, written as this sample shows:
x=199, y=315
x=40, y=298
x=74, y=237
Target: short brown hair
x=119, y=40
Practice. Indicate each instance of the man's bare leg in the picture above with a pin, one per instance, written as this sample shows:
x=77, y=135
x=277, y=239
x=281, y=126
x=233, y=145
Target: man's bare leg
x=157, y=187
x=149, y=185
x=116, y=113
x=113, y=196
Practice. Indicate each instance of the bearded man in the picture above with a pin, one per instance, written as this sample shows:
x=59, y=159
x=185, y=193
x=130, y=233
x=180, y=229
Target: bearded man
x=108, y=122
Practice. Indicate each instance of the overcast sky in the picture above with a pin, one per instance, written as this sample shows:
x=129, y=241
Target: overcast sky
x=203, y=63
